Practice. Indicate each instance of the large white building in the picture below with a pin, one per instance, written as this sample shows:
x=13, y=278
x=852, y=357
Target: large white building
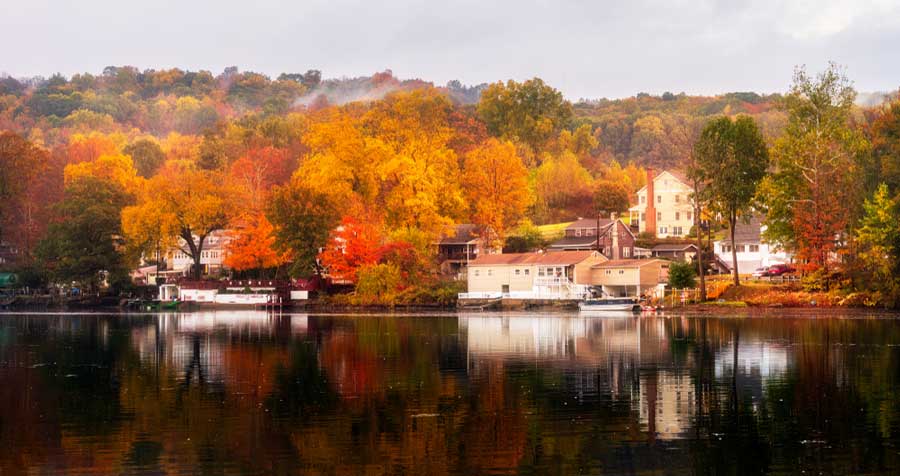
x=212, y=258
x=664, y=207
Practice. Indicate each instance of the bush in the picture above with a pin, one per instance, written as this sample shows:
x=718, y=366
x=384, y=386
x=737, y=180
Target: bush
x=682, y=275
x=378, y=284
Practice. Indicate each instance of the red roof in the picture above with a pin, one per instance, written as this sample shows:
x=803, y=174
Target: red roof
x=555, y=258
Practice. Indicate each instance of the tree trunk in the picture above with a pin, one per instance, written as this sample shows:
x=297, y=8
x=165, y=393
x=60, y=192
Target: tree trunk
x=734, y=263
x=700, y=267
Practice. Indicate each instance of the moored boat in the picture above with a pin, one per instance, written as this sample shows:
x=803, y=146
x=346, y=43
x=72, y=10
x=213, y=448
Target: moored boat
x=610, y=304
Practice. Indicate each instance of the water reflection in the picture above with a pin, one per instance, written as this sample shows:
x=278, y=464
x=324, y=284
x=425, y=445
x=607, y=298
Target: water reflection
x=255, y=393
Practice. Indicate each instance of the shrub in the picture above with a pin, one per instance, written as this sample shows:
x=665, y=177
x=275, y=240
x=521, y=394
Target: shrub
x=682, y=275
x=379, y=284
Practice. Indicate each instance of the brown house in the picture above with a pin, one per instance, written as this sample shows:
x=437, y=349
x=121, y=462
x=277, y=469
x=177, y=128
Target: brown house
x=460, y=245
x=613, y=238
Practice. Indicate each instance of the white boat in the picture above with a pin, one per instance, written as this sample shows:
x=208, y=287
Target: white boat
x=610, y=304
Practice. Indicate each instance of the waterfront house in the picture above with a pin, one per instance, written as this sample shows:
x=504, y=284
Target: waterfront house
x=610, y=236
x=664, y=207
x=675, y=251
x=556, y=275
x=462, y=244
x=752, y=249
x=212, y=258
x=631, y=277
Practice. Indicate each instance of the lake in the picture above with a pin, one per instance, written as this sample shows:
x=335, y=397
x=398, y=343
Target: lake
x=241, y=392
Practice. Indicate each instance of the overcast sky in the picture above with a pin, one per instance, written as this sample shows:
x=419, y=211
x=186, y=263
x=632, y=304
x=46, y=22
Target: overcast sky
x=584, y=48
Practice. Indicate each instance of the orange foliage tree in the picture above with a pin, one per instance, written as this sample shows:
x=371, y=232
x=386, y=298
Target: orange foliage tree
x=353, y=245
x=496, y=183
x=253, y=247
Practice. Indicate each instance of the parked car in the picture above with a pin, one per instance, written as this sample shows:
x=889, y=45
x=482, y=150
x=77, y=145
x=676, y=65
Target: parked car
x=780, y=269
x=761, y=272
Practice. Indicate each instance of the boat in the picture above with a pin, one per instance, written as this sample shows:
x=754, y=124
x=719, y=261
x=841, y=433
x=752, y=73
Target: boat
x=610, y=304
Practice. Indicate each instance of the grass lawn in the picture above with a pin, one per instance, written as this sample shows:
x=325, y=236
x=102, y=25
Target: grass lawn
x=553, y=230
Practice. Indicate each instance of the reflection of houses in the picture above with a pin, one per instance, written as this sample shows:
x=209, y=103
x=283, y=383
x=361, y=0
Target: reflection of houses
x=611, y=237
x=667, y=404
x=631, y=277
x=752, y=251
x=8, y=253
x=462, y=244
x=557, y=275
x=212, y=258
x=664, y=205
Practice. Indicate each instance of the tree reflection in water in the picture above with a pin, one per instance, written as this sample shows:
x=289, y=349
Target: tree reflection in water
x=255, y=393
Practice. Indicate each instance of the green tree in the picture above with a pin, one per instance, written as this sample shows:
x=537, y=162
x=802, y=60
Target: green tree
x=303, y=220
x=733, y=156
x=147, y=155
x=682, y=275
x=878, y=237
x=532, y=112
x=814, y=190
x=611, y=196
x=85, y=238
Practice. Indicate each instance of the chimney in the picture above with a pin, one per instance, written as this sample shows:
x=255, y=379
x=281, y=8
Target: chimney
x=650, y=211
x=615, y=236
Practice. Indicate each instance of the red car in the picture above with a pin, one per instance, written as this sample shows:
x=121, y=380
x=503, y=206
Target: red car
x=779, y=269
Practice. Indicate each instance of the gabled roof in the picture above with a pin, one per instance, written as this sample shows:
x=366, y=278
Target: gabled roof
x=465, y=233
x=589, y=223
x=676, y=174
x=746, y=232
x=627, y=263
x=674, y=246
x=563, y=258
x=575, y=242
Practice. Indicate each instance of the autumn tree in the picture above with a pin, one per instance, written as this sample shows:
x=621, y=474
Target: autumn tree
x=302, y=220
x=85, y=237
x=252, y=246
x=30, y=181
x=186, y=203
x=147, y=155
x=813, y=193
x=878, y=237
x=612, y=197
x=733, y=158
x=563, y=190
x=352, y=246
x=496, y=186
x=530, y=112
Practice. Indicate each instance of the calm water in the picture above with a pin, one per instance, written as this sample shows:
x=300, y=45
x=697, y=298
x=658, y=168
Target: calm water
x=251, y=393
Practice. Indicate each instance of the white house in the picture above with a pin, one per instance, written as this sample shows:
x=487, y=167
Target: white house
x=212, y=258
x=752, y=250
x=664, y=206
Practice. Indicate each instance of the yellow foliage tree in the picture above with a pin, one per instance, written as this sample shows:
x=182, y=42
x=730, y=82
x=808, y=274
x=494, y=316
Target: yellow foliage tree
x=496, y=184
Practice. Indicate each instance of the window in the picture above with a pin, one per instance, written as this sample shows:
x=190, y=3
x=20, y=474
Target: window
x=475, y=272
x=676, y=230
x=690, y=216
x=626, y=252
x=527, y=272
x=659, y=199
x=754, y=248
x=677, y=216
x=726, y=248
x=517, y=272
x=540, y=271
x=677, y=198
x=608, y=272
x=578, y=232
x=663, y=230
x=621, y=271
x=643, y=216
x=589, y=232
x=658, y=216
x=643, y=199
x=740, y=248
x=490, y=272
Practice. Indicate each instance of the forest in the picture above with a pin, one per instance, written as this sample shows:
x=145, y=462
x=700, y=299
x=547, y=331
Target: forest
x=362, y=175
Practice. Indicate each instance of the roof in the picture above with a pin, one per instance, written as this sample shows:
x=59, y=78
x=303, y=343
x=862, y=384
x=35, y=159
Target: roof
x=589, y=223
x=461, y=234
x=575, y=241
x=556, y=258
x=676, y=174
x=746, y=232
x=674, y=246
x=627, y=263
